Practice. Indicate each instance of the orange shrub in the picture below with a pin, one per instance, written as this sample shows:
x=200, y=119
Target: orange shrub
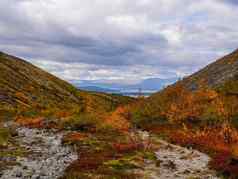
x=74, y=137
x=22, y=97
x=63, y=114
x=209, y=139
x=118, y=119
x=127, y=147
x=37, y=122
x=194, y=105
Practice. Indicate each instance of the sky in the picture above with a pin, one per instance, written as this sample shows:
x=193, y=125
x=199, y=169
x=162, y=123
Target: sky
x=119, y=41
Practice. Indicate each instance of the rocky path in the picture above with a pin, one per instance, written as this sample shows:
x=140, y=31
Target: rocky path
x=47, y=158
x=175, y=162
x=179, y=162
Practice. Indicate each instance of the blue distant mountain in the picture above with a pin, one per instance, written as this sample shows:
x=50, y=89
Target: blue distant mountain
x=149, y=85
x=152, y=84
x=98, y=89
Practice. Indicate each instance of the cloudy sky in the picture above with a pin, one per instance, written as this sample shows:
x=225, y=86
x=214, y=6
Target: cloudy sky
x=121, y=41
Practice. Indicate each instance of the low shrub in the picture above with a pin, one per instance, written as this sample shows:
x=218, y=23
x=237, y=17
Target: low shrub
x=83, y=122
x=121, y=164
x=226, y=164
x=4, y=136
x=74, y=137
x=207, y=140
x=35, y=122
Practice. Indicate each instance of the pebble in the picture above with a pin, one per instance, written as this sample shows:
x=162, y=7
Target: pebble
x=176, y=162
x=48, y=160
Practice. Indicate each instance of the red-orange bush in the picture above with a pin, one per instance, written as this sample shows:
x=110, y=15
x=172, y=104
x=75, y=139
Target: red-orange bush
x=225, y=163
x=127, y=147
x=74, y=137
x=37, y=122
x=118, y=119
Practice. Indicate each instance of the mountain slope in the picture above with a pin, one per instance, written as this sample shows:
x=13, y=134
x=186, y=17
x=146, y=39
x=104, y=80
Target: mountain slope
x=206, y=96
x=200, y=111
x=23, y=85
x=216, y=73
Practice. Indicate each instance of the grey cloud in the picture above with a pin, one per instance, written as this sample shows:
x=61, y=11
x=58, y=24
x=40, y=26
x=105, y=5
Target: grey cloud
x=150, y=34
x=232, y=2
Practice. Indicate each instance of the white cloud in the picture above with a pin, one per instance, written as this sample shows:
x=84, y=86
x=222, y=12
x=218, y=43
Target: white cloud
x=119, y=40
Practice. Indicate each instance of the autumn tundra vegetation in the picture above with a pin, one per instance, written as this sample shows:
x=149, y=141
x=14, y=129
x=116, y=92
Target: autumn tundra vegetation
x=96, y=128
x=197, y=112
x=200, y=111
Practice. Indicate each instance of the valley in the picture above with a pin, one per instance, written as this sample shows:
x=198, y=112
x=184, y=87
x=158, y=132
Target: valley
x=50, y=129
x=103, y=89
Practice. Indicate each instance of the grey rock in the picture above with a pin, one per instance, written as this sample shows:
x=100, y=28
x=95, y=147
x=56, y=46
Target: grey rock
x=48, y=160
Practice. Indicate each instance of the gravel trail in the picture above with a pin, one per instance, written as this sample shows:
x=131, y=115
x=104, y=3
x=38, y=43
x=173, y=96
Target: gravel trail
x=176, y=162
x=179, y=162
x=47, y=158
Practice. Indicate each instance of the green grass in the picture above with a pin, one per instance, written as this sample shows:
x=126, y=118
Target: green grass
x=4, y=136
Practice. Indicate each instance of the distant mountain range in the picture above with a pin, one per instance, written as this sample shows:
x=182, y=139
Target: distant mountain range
x=152, y=84
x=149, y=85
x=99, y=89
